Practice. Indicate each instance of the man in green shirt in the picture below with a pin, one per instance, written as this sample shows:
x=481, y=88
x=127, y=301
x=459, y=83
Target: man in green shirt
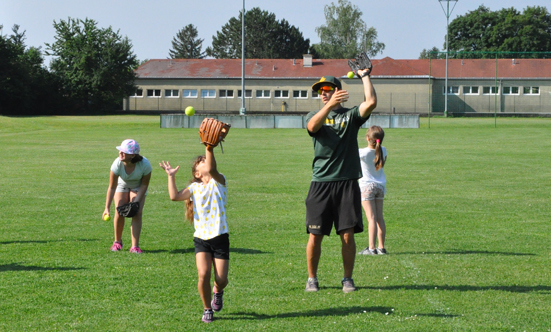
x=334, y=196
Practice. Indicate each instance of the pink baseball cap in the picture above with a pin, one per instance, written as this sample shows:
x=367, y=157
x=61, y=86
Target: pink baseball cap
x=129, y=146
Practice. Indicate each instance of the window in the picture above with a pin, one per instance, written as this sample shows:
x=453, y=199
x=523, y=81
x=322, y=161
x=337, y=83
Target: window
x=470, y=90
x=531, y=90
x=138, y=93
x=452, y=90
x=490, y=90
x=248, y=93
x=510, y=90
x=315, y=94
x=153, y=93
x=225, y=93
x=262, y=93
x=208, y=93
x=300, y=93
x=189, y=93
x=281, y=93
x=171, y=93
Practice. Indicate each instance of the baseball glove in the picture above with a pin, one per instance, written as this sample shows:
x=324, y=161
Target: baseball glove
x=359, y=63
x=129, y=209
x=213, y=131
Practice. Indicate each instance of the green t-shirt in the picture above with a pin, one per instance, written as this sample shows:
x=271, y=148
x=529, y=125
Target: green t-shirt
x=336, y=156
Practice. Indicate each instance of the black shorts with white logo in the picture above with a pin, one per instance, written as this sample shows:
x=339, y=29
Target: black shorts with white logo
x=218, y=247
x=334, y=203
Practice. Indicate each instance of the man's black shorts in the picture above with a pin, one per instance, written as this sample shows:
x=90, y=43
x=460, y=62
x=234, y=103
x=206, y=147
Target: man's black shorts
x=218, y=247
x=337, y=203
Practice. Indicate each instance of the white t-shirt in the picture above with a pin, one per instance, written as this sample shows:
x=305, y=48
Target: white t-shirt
x=209, y=209
x=367, y=161
x=134, y=179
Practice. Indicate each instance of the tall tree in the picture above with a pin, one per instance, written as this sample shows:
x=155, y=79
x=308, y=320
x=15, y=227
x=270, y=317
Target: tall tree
x=26, y=87
x=345, y=34
x=433, y=53
x=506, y=30
x=186, y=45
x=95, y=65
x=265, y=38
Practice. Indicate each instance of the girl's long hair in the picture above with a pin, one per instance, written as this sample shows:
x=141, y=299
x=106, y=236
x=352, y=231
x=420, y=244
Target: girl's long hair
x=189, y=203
x=376, y=134
x=136, y=159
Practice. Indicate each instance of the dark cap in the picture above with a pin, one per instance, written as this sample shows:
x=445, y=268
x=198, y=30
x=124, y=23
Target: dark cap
x=327, y=80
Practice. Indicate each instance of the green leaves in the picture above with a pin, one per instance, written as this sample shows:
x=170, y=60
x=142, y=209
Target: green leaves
x=345, y=33
x=186, y=45
x=506, y=30
x=265, y=38
x=95, y=65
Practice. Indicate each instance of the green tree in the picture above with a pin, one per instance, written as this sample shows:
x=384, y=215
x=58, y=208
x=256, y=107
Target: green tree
x=433, y=53
x=345, y=34
x=95, y=65
x=26, y=86
x=265, y=38
x=508, y=31
x=186, y=45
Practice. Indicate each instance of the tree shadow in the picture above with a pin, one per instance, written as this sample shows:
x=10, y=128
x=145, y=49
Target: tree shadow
x=463, y=252
x=18, y=267
x=243, y=251
x=339, y=311
x=466, y=288
x=45, y=241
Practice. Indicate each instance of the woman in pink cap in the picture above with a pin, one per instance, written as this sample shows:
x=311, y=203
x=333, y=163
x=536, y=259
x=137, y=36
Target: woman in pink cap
x=128, y=182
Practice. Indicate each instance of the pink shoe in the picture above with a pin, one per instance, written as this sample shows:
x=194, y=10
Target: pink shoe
x=136, y=250
x=117, y=246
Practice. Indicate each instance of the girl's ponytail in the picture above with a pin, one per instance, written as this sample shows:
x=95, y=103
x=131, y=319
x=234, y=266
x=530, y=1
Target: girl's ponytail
x=377, y=134
x=379, y=159
x=189, y=203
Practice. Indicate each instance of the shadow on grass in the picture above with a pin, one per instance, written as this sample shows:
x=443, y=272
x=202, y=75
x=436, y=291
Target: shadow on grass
x=342, y=311
x=244, y=251
x=466, y=288
x=45, y=241
x=464, y=252
x=17, y=267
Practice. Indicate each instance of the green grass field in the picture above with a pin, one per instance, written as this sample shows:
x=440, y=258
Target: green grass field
x=467, y=213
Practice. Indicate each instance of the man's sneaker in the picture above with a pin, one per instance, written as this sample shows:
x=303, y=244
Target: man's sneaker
x=217, y=301
x=136, y=250
x=312, y=285
x=348, y=285
x=208, y=316
x=381, y=251
x=117, y=246
x=368, y=251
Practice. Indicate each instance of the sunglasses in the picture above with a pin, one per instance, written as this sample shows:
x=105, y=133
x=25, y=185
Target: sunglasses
x=325, y=88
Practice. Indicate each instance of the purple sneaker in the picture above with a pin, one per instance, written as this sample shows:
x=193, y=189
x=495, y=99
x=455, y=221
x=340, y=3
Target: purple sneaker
x=117, y=246
x=136, y=250
x=217, y=301
x=208, y=316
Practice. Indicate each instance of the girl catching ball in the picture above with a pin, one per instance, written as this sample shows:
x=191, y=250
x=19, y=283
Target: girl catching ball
x=206, y=199
x=373, y=188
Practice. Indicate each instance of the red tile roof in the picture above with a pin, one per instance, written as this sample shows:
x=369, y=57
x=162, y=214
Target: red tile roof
x=383, y=68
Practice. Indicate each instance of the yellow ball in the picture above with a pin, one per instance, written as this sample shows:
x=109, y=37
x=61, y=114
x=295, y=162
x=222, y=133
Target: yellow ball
x=350, y=74
x=107, y=217
x=190, y=110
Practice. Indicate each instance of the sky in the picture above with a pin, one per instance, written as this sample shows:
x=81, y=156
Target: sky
x=406, y=27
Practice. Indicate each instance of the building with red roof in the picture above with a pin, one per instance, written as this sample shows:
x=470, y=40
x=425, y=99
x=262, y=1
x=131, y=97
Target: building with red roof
x=403, y=86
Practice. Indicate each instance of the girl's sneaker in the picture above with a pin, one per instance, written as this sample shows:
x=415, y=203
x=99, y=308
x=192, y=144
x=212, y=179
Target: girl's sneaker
x=136, y=250
x=217, y=301
x=381, y=251
x=368, y=251
x=208, y=316
x=117, y=246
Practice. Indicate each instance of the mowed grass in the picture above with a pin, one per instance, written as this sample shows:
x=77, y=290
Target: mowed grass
x=467, y=213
